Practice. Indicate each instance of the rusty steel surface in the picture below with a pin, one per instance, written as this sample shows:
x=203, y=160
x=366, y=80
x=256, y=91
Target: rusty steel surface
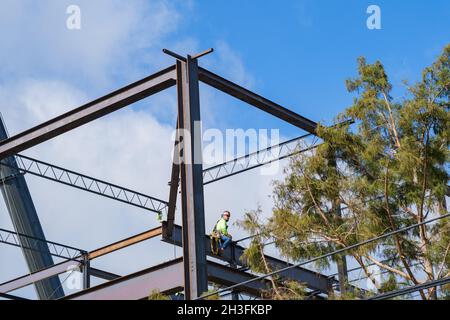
x=93, y=110
x=191, y=180
x=164, y=277
x=37, y=276
x=125, y=243
x=256, y=100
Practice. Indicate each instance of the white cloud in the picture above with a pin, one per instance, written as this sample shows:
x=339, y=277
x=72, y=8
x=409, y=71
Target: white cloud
x=35, y=37
x=131, y=147
x=28, y=102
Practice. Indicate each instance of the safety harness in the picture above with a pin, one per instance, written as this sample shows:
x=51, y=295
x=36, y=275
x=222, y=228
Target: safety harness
x=215, y=240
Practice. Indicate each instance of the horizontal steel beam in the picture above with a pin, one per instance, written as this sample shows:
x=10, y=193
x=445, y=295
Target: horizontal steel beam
x=164, y=278
x=102, y=274
x=217, y=273
x=10, y=297
x=64, y=252
x=56, y=249
x=411, y=289
x=83, y=182
x=232, y=254
x=125, y=243
x=112, y=191
x=93, y=110
x=258, y=101
x=76, y=261
x=38, y=276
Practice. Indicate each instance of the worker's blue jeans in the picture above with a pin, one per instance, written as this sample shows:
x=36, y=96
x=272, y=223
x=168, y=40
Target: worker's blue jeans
x=225, y=241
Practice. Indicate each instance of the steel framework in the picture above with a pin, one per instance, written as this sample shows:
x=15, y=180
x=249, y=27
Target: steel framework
x=25, y=219
x=187, y=174
x=90, y=184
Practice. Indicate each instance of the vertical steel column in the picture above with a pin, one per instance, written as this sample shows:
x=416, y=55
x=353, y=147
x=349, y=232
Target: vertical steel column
x=86, y=272
x=191, y=169
x=233, y=265
x=174, y=184
x=26, y=221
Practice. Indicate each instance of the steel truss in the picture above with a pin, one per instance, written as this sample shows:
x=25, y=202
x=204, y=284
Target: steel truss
x=166, y=277
x=256, y=159
x=83, y=182
x=56, y=249
x=52, y=172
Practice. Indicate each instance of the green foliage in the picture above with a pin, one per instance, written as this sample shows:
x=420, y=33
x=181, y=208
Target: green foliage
x=445, y=292
x=389, y=285
x=157, y=295
x=279, y=289
x=215, y=296
x=293, y=290
x=389, y=172
x=355, y=294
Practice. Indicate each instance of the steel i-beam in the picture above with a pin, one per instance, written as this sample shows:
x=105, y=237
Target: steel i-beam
x=26, y=221
x=93, y=110
x=256, y=100
x=191, y=169
x=174, y=184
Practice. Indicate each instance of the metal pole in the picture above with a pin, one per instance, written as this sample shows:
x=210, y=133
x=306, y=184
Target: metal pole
x=86, y=272
x=191, y=169
x=233, y=265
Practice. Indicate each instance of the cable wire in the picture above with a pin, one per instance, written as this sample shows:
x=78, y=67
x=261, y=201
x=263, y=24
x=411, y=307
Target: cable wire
x=328, y=255
x=403, y=291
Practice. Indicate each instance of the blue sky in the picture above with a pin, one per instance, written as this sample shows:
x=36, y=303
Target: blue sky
x=296, y=53
x=302, y=51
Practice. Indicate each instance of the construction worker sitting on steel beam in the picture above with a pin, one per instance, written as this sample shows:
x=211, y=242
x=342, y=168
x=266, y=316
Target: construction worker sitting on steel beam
x=221, y=229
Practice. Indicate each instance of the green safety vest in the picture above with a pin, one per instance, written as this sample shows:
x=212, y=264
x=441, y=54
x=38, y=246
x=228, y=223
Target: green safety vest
x=221, y=227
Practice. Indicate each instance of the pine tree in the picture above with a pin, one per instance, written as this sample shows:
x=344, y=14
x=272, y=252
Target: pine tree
x=386, y=172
